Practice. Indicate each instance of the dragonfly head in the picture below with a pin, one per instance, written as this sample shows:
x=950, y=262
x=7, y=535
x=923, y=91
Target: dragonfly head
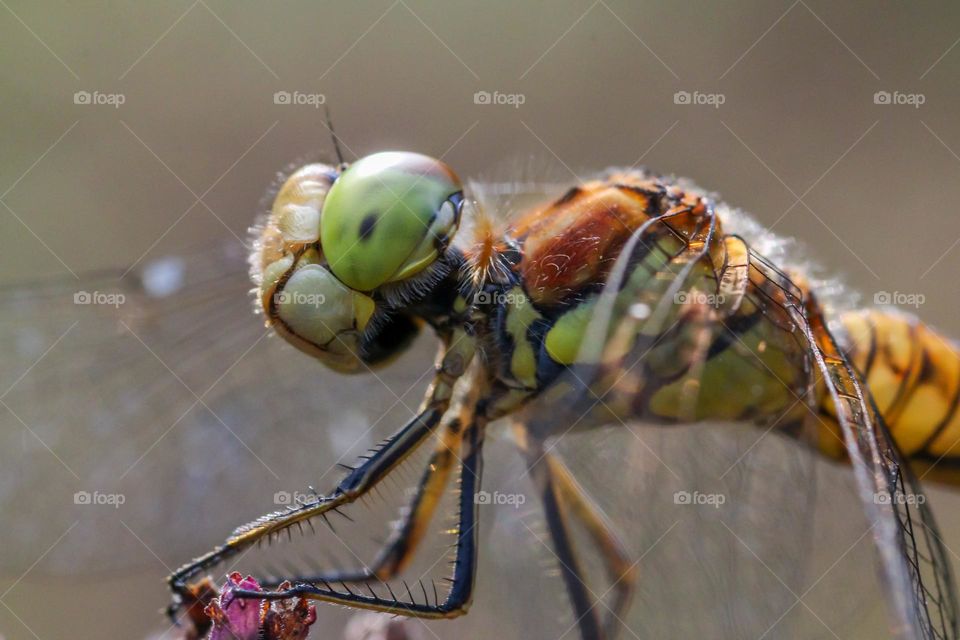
x=338, y=242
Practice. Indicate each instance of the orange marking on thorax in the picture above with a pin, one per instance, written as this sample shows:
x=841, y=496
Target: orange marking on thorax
x=574, y=241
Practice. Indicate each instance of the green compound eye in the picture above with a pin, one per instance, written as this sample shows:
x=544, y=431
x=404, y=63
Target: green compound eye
x=389, y=216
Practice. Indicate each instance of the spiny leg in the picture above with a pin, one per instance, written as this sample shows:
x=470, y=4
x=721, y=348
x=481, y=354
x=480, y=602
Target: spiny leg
x=357, y=483
x=562, y=498
x=402, y=545
x=465, y=562
x=456, y=354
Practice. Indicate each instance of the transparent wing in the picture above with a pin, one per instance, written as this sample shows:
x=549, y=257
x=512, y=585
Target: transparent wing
x=144, y=416
x=737, y=531
x=909, y=543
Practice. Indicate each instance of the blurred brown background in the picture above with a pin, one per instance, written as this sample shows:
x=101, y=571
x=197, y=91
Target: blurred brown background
x=801, y=139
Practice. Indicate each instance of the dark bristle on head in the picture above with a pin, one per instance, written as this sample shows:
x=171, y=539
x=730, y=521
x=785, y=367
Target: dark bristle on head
x=333, y=136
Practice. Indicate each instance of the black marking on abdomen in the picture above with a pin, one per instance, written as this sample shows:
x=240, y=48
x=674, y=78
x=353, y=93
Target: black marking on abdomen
x=943, y=424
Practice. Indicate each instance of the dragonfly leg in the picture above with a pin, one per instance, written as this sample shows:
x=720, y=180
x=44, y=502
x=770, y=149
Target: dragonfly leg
x=400, y=548
x=621, y=572
x=460, y=594
x=562, y=500
x=454, y=357
x=357, y=483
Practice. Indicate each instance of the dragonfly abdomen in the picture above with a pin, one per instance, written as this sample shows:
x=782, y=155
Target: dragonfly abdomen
x=913, y=374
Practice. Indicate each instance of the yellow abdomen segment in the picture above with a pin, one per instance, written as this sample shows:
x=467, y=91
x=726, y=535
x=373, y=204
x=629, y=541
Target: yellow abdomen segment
x=913, y=373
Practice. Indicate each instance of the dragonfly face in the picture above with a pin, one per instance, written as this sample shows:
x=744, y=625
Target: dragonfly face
x=341, y=246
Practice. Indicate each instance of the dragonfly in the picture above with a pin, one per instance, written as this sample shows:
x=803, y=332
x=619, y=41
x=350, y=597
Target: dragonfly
x=634, y=335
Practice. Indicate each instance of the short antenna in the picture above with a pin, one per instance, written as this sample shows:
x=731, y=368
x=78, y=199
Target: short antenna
x=333, y=136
